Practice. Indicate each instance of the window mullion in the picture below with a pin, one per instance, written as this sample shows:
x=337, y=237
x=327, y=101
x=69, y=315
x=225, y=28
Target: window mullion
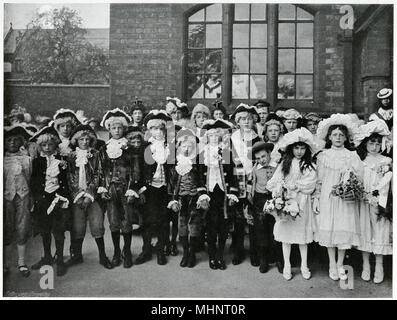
x=272, y=55
x=227, y=59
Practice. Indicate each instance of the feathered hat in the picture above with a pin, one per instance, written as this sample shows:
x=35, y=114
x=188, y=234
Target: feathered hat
x=336, y=119
x=65, y=115
x=242, y=107
x=45, y=130
x=375, y=126
x=115, y=115
x=17, y=130
x=156, y=116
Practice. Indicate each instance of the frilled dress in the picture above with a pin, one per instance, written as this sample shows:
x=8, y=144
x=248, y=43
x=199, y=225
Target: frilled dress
x=301, y=230
x=376, y=232
x=338, y=220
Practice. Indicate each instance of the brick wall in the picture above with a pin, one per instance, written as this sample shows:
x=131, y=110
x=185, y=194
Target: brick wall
x=45, y=99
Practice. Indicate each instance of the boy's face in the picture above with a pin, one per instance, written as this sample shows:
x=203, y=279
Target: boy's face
x=213, y=138
x=245, y=121
x=116, y=130
x=157, y=132
x=263, y=112
x=83, y=142
x=291, y=124
x=200, y=118
x=385, y=102
x=262, y=157
x=218, y=114
x=133, y=140
x=273, y=133
x=65, y=129
x=312, y=126
x=373, y=146
x=137, y=116
x=187, y=148
x=13, y=143
x=48, y=147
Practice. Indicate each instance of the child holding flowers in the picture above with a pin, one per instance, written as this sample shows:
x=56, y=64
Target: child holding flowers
x=296, y=178
x=375, y=209
x=338, y=219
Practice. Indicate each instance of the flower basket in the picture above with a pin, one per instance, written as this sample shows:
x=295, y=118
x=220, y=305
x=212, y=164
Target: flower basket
x=350, y=189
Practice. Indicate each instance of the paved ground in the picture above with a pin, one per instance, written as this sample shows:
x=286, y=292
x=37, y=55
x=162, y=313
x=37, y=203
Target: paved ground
x=150, y=280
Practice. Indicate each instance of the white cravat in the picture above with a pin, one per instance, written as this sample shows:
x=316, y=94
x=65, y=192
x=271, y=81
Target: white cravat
x=81, y=161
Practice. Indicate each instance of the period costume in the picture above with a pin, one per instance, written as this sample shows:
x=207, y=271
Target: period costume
x=62, y=116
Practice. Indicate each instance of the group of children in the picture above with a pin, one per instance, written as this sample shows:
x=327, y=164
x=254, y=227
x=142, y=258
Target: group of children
x=210, y=177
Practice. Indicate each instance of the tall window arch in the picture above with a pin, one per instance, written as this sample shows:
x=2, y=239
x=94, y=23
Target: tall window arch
x=247, y=52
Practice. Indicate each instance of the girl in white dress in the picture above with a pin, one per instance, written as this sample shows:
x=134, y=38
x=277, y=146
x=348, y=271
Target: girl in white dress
x=297, y=174
x=338, y=220
x=375, y=209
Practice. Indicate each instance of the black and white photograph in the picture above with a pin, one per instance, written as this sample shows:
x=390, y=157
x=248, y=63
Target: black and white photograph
x=191, y=150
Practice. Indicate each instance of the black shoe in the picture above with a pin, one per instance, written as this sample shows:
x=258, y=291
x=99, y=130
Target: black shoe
x=61, y=269
x=237, y=259
x=127, y=259
x=161, y=259
x=167, y=251
x=221, y=264
x=24, y=270
x=74, y=259
x=184, y=261
x=213, y=264
x=45, y=261
x=280, y=266
x=191, y=260
x=143, y=257
x=104, y=261
x=254, y=261
x=174, y=250
x=116, y=261
x=264, y=266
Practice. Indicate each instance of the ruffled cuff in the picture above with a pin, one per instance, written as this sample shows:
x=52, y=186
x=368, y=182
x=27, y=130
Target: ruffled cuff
x=142, y=190
x=101, y=190
x=232, y=197
x=79, y=196
x=201, y=190
x=58, y=198
x=89, y=196
x=131, y=193
x=203, y=197
x=171, y=203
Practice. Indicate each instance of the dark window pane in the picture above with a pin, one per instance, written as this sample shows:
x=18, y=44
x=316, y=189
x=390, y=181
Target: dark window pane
x=304, y=87
x=286, y=61
x=195, y=62
x=286, y=12
x=304, y=35
x=241, y=11
x=286, y=87
x=258, y=11
x=197, y=17
x=286, y=35
x=240, y=86
x=195, y=87
x=196, y=36
x=259, y=35
x=213, y=60
x=214, y=13
x=258, y=61
x=257, y=86
x=304, y=60
x=304, y=15
x=213, y=36
x=212, y=86
x=240, y=35
x=240, y=61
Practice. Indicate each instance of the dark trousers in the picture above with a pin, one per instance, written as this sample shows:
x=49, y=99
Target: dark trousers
x=172, y=218
x=216, y=224
x=155, y=219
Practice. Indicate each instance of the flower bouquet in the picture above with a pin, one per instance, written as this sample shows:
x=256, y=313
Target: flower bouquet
x=350, y=188
x=282, y=206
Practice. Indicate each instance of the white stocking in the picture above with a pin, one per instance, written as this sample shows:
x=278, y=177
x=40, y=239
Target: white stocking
x=286, y=254
x=303, y=251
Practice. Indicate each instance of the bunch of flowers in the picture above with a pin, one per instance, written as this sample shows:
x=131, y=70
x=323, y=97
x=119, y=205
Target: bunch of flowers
x=283, y=204
x=350, y=188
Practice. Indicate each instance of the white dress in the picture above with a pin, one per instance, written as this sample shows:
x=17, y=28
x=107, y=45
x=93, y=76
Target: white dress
x=301, y=230
x=338, y=221
x=376, y=233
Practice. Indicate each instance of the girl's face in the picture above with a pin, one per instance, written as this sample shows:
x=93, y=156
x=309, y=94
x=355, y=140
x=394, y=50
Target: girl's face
x=133, y=140
x=291, y=124
x=273, y=133
x=137, y=116
x=312, y=126
x=48, y=147
x=337, y=138
x=116, y=130
x=65, y=129
x=157, y=132
x=385, y=102
x=245, y=121
x=218, y=114
x=299, y=151
x=13, y=144
x=84, y=142
x=263, y=112
x=373, y=146
x=200, y=118
x=187, y=148
x=262, y=157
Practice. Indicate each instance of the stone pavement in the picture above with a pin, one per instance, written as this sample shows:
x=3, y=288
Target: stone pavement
x=151, y=280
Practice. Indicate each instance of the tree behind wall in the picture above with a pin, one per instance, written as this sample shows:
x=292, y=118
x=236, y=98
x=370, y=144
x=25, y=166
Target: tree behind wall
x=54, y=50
